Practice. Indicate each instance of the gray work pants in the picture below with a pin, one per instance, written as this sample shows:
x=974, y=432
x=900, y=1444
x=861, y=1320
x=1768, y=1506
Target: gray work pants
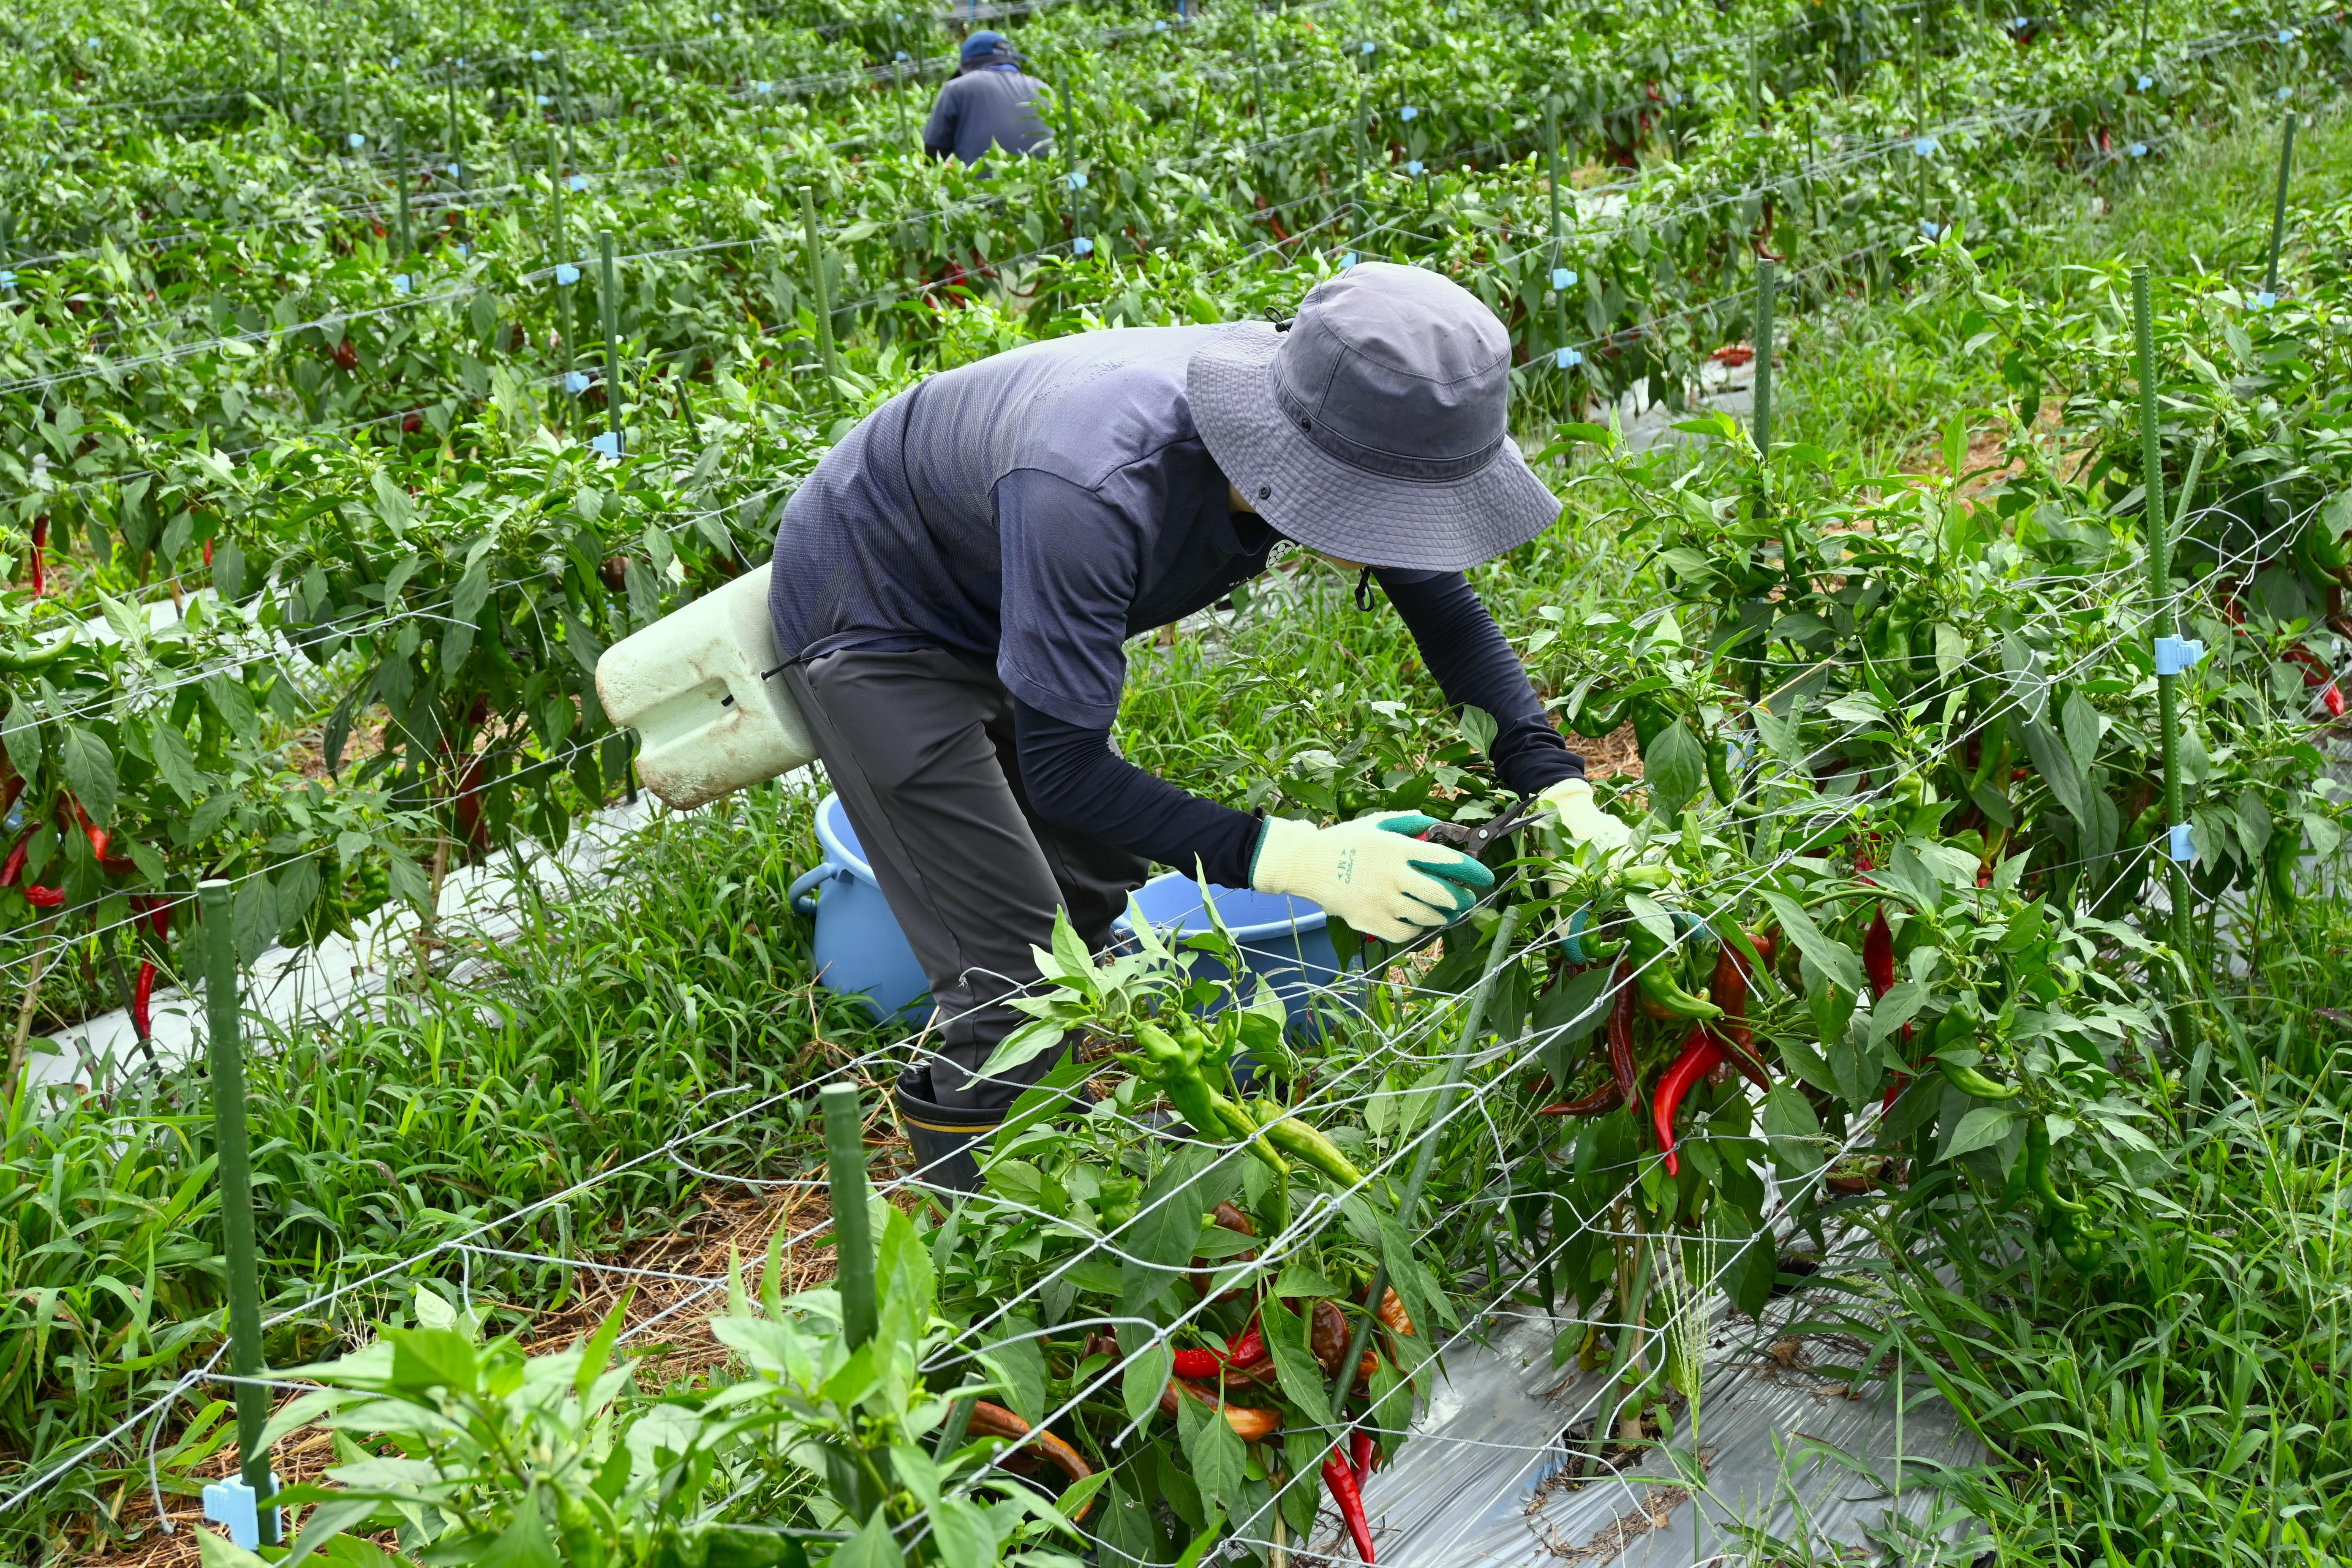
x=919, y=747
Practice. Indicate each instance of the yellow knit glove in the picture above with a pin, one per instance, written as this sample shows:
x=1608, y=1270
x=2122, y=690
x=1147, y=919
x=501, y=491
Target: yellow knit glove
x=1372, y=872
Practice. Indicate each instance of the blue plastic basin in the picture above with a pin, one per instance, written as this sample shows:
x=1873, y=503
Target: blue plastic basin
x=859, y=947
x=1284, y=940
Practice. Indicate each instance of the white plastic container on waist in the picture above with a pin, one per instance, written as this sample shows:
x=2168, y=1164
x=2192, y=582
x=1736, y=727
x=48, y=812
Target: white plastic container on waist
x=703, y=688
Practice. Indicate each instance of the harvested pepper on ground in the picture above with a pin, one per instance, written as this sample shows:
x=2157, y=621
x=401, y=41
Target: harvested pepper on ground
x=995, y=1421
x=1699, y=1053
x=1345, y=1492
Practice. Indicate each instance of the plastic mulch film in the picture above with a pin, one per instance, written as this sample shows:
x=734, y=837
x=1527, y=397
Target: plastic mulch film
x=1789, y=1456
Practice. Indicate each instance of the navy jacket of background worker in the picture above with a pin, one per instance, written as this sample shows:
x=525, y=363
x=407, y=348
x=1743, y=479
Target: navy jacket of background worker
x=955, y=583
x=990, y=103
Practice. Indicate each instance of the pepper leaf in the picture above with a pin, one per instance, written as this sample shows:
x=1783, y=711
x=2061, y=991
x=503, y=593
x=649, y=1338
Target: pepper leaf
x=89, y=766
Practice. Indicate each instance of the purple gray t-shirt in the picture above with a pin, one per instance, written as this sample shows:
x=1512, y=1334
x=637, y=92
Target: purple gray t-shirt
x=1035, y=510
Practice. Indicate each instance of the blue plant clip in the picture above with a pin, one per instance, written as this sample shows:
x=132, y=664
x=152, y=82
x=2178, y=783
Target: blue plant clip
x=1412, y=166
x=1370, y=46
x=457, y=171
x=231, y=1503
x=575, y=382
x=1408, y=113
x=2265, y=300
x=1157, y=26
x=400, y=283
x=1347, y=261
x=1924, y=146
x=2284, y=93
x=1082, y=245
x=2286, y=34
x=2138, y=149
x=1562, y=278
x=2146, y=82
x=1567, y=359
x=2181, y=842
x=536, y=55
x=1077, y=179
x=8, y=279
x=578, y=182
x=2177, y=656
x=609, y=444
x=1927, y=229
x=464, y=251
x=542, y=100
x=355, y=140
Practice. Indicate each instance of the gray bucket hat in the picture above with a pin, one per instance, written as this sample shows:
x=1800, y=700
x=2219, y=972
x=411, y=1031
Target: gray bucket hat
x=1377, y=428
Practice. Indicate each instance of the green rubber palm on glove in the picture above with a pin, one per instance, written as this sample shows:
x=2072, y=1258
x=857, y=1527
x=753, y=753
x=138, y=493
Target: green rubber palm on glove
x=1373, y=873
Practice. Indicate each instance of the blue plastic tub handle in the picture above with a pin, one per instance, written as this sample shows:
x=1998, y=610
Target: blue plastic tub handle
x=803, y=900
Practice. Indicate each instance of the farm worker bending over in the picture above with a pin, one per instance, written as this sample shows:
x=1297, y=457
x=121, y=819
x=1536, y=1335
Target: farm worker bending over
x=955, y=581
x=990, y=103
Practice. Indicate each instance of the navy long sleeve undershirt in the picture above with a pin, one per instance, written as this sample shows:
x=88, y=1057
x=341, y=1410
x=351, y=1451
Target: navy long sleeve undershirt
x=1076, y=780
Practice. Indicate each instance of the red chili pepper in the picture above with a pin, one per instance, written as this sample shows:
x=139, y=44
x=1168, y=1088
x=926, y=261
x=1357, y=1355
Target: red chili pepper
x=1600, y=1102
x=1878, y=954
x=1621, y=1036
x=1350, y=1499
x=1363, y=1455
x=15, y=866
x=1728, y=991
x=208, y=543
x=97, y=835
x=1248, y=1351
x=1700, y=1053
x=40, y=566
x=140, y=996
x=46, y=897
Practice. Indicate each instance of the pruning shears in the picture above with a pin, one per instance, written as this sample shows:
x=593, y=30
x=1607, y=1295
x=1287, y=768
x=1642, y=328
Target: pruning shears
x=1475, y=841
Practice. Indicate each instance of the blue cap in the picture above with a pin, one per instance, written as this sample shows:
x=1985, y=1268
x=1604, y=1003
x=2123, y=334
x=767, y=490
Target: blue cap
x=986, y=43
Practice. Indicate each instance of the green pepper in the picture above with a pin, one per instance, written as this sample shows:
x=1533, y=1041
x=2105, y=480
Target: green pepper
x=1967, y=1081
x=1306, y=1144
x=1718, y=770
x=1176, y=1071
x=2038, y=1177
x=13, y=662
x=1654, y=976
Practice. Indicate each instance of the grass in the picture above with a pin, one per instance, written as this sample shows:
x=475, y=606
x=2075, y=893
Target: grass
x=525, y=1099
x=2183, y=1405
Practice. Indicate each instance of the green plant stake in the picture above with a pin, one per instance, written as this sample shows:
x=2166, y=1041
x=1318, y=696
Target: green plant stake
x=2163, y=625
x=1456, y=1068
x=821, y=284
x=2278, y=203
x=852, y=1237
x=223, y=1017
x=456, y=149
x=400, y=173
x=1767, y=286
x=1551, y=174
x=899, y=91
x=610, y=307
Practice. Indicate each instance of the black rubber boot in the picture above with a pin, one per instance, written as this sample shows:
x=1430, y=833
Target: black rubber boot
x=944, y=1140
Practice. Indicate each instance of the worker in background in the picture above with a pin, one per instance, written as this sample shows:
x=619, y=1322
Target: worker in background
x=990, y=103
x=954, y=585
